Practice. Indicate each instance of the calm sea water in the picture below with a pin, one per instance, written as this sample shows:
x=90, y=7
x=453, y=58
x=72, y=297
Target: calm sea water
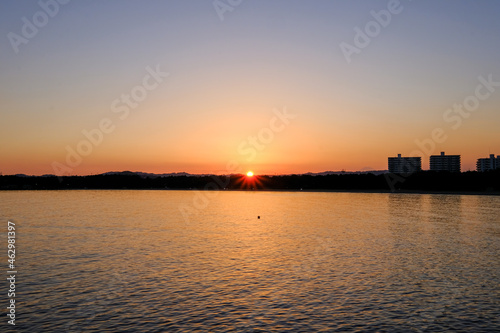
x=179, y=261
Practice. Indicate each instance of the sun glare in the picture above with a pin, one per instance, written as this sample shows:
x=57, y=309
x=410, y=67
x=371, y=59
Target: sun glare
x=249, y=174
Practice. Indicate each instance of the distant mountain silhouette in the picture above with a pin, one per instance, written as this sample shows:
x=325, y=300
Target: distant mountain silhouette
x=325, y=173
x=146, y=174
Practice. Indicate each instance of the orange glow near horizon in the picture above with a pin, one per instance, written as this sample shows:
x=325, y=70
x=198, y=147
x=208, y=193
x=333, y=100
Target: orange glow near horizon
x=249, y=174
x=256, y=94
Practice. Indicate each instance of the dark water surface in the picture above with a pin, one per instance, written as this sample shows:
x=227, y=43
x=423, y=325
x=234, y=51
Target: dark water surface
x=184, y=261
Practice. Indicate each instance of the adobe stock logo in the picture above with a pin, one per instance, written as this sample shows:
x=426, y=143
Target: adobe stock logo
x=40, y=19
x=265, y=136
x=455, y=116
x=221, y=6
x=372, y=29
x=248, y=148
x=121, y=106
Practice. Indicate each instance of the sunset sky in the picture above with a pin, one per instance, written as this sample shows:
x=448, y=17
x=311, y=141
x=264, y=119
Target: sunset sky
x=230, y=86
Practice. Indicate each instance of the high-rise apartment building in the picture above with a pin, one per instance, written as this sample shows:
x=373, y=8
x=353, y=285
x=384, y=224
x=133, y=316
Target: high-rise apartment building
x=444, y=162
x=486, y=164
x=405, y=164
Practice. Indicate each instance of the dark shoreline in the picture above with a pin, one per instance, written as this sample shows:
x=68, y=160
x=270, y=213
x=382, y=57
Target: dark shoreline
x=425, y=182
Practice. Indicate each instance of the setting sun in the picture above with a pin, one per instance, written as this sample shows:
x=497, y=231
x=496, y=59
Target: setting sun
x=249, y=174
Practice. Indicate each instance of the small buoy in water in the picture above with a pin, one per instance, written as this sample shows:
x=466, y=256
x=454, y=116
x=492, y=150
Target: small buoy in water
x=258, y=217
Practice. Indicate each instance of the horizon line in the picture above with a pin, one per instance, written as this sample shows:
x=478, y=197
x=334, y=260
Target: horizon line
x=183, y=173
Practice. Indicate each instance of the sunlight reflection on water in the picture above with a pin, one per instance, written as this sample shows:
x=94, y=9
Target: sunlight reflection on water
x=96, y=261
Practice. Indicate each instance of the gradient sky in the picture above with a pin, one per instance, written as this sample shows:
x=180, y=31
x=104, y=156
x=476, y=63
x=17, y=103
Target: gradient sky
x=227, y=78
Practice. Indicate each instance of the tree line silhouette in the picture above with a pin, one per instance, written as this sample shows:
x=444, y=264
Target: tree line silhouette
x=431, y=181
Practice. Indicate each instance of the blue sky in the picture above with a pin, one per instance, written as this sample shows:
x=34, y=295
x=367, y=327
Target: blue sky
x=226, y=76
